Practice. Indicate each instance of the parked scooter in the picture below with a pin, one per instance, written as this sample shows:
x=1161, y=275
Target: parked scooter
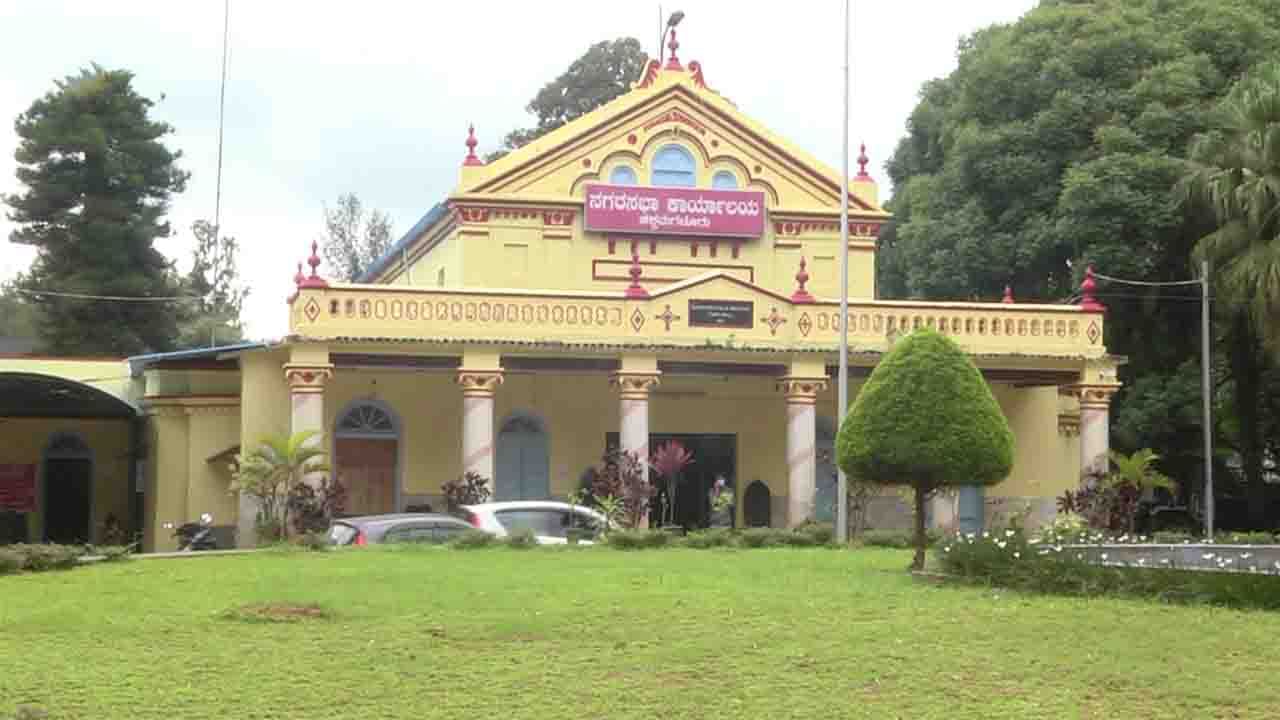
x=193, y=537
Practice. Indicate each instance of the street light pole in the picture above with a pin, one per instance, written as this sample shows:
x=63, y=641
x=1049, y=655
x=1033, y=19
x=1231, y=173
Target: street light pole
x=1206, y=390
x=842, y=382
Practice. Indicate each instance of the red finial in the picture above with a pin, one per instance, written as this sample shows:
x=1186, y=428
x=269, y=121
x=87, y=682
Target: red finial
x=299, y=277
x=673, y=62
x=1088, y=302
x=862, y=163
x=1008, y=295
x=801, y=296
x=314, y=281
x=634, y=290
x=471, y=158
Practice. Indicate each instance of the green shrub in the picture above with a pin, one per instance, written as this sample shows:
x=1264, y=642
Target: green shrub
x=1172, y=537
x=713, y=538
x=818, y=533
x=472, y=540
x=638, y=539
x=38, y=558
x=760, y=537
x=521, y=539
x=113, y=553
x=1245, y=538
x=1013, y=561
x=314, y=541
x=897, y=539
x=11, y=561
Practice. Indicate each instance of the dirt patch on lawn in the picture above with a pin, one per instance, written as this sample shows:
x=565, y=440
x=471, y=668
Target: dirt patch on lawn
x=277, y=612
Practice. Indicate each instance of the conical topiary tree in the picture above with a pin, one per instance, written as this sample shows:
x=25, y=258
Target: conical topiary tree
x=925, y=418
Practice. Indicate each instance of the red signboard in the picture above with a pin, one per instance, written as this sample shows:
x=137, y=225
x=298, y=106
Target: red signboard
x=674, y=211
x=18, y=488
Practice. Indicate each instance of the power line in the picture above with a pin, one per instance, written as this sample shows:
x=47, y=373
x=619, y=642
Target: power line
x=110, y=298
x=1173, y=283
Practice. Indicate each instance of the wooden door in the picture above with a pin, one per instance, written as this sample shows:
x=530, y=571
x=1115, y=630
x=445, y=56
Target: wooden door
x=367, y=469
x=522, y=462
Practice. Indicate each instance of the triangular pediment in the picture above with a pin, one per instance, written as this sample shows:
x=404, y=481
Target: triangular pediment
x=718, y=285
x=668, y=106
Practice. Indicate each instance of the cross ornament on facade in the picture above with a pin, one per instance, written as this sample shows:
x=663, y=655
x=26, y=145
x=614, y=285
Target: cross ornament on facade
x=666, y=317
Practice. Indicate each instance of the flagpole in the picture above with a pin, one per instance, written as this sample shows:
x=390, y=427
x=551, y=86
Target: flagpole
x=842, y=382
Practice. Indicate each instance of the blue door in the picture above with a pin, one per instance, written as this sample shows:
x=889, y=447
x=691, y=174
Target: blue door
x=522, y=463
x=824, y=500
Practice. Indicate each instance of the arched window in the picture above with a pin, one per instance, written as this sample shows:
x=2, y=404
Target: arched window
x=673, y=167
x=366, y=420
x=724, y=180
x=623, y=175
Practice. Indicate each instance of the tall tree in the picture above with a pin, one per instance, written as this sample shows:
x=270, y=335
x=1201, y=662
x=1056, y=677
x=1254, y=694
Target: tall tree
x=214, y=317
x=98, y=180
x=605, y=71
x=353, y=238
x=1235, y=178
x=1063, y=136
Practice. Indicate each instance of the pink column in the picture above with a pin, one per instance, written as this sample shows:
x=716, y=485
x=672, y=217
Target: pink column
x=633, y=433
x=802, y=437
x=1095, y=427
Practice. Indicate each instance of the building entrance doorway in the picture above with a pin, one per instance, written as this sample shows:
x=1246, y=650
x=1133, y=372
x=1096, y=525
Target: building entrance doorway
x=68, y=490
x=714, y=455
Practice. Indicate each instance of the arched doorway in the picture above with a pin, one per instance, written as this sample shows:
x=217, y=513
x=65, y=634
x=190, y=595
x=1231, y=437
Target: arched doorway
x=366, y=453
x=68, y=490
x=825, y=480
x=522, y=464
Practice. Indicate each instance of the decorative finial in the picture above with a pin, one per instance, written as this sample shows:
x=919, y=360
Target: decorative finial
x=634, y=290
x=801, y=296
x=673, y=62
x=862, y=163
x=314, y=281
x=1008, y=295
x=299, y=277
x=471, y=158
x=1088, y=301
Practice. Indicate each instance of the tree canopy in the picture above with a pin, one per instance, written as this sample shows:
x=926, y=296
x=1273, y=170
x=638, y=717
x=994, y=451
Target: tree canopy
x=925, y=418
x=97, y=181
x=605, y=71
x=354, y=238
x=213, y=317
x=1064, y=137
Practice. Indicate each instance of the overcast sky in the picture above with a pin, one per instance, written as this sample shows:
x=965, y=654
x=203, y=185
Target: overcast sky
x=374, y=97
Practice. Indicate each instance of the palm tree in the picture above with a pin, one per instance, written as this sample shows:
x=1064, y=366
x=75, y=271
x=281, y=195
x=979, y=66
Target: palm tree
x=271, y=470
x=1235, y=181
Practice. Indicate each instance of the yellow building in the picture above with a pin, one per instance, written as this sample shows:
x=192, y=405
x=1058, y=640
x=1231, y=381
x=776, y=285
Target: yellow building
x=661, y=268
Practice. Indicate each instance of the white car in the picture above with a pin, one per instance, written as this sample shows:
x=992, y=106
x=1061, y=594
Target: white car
x=549, y=520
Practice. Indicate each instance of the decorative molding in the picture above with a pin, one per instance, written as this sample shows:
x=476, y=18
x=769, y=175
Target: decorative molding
x=558, y=218
x=1068, y=424
x=635, y=385
x=307, y=378
x=479, y=383
x=1091, y=397
x=675, y=115
x=802, y=390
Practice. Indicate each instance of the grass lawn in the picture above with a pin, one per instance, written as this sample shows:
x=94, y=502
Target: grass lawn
x=596, y=633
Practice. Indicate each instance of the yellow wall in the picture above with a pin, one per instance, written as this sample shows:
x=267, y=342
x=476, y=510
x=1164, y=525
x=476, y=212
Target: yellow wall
x=111, y=376
x=24, y=441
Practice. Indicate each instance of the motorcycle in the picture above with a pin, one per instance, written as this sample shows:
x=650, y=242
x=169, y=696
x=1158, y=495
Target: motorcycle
x=193, y=537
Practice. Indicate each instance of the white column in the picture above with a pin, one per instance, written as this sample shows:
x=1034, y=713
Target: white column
x=1095, y=428
x=802, y=437
x=478, y=387
x=633, y=433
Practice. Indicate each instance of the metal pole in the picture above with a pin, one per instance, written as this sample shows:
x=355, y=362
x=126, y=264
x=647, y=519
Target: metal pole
x=842, y=382
x=1206, y=390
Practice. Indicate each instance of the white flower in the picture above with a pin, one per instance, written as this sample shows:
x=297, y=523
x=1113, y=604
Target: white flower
x=1142, y=538
x=1245, y=556
x=1142, y=561
x=1164, y=561
x=1079, y=556
x=1017, y=555
x=1008, y=533
x=1001, y=544
x=1104, y=556
x=946, y=549
x=1208, y=556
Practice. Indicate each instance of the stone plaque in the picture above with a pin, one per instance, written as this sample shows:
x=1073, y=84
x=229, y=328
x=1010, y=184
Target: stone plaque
x=721, y=313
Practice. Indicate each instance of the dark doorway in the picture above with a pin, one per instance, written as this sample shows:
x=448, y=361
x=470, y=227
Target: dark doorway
x=713, y=456
x=66, y=500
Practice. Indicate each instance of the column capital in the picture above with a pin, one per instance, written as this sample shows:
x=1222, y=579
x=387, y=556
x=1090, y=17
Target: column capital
x=801, y=390
x=1091, y=396
x=307, y=377
x=479, y=383
x=635, y=385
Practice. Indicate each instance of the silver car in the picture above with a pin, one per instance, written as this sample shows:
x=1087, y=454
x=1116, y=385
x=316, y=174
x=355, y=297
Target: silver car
x=396, y=528
x=548, y=520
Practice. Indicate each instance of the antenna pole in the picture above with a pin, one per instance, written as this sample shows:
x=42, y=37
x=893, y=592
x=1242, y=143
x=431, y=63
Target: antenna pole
x=842, y=382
